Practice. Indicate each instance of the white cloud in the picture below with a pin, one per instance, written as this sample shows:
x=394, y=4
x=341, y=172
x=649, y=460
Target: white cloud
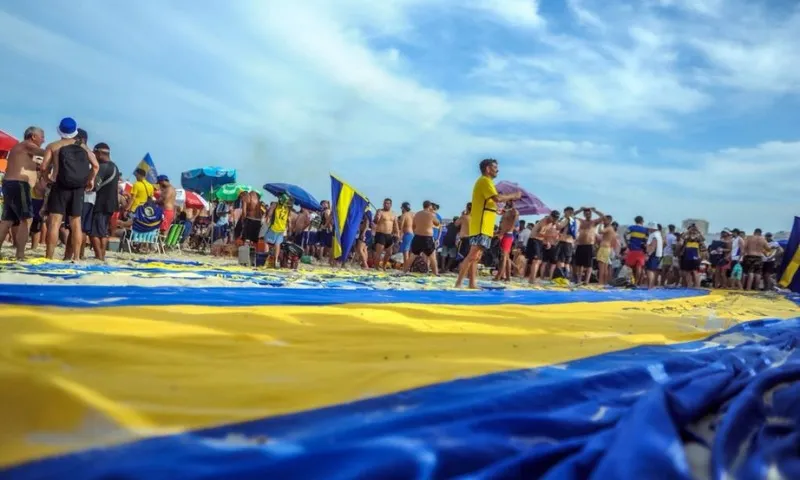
x=289, y=91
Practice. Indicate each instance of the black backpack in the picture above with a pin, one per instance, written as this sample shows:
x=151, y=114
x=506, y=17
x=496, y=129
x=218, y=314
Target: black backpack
x=73, y=166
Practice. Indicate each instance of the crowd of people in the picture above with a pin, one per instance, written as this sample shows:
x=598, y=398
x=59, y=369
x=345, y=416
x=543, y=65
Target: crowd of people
x=69, y=193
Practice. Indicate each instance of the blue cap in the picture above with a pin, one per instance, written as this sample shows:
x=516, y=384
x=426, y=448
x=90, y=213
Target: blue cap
x=68, y=128
x=162, y=178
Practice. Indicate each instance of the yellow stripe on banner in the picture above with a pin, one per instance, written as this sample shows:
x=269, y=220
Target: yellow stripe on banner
x=346, y=194
x=791, y=270
x=78, y=378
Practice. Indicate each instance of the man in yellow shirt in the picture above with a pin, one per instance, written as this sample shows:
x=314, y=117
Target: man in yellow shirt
x=279, y=221
x=141, y=191
x=481, y=223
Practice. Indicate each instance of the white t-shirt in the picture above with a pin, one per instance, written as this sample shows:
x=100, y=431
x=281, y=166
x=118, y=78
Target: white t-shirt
x=669, y=248
x=524, y=235
x=659, y=243
x=773, y=247
x=89, y=197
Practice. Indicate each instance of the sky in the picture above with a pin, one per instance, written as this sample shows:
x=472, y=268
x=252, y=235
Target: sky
x=662, y=108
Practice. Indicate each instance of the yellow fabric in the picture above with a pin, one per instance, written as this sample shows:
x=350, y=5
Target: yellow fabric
x=604, y=254
x=791, y=270
x=484, y=209
x=280, y=218
x=76, y=378
x=346, y=194
x=641, y=235
x=140, y=192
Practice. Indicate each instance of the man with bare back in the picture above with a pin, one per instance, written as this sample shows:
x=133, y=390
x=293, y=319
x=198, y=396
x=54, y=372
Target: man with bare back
x=302, y=221
x=608, y=243
x=251, y=217
x=539, y=243
x=755, y=247
x=584, y=252
x=73, y=173
x=20, y=177
x=506, y=233
x=423, y=244
x=387, y=229
x=407, y=230
x=463, y=230
x=167, y=201
x=325, y=237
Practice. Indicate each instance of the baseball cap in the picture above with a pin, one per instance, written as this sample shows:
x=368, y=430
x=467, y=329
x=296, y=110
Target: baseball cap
x=652, y=226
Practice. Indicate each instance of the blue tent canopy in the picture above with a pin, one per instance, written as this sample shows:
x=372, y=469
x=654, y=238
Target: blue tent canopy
x=203, y=180
x=300, y=196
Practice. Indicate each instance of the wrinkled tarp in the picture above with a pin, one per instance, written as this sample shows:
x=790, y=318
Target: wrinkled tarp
x=284, y=383
x=673, y=412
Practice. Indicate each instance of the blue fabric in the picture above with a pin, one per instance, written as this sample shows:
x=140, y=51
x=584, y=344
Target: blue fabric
x=345, y=232
x=203, y=180
x=623, y=415
x=300, y=196
x=149, y=167
x=147, y=218
x=113, y=295
x=792, y=245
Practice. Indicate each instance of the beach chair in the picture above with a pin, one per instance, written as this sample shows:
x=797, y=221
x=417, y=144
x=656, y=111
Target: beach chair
x=172, y=239
x=145, y=228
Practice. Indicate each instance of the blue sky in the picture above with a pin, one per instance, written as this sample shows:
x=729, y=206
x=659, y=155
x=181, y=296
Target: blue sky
x=664, y=108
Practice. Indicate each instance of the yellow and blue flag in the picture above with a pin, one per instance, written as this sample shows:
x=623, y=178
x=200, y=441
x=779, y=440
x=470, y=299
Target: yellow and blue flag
x=150, y=172
x=790, y=278
x=348, y=208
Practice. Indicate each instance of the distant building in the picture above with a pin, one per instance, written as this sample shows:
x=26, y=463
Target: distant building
x=702, y=225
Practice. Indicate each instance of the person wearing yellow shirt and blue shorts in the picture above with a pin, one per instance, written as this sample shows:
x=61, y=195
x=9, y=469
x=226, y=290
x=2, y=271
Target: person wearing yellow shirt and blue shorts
x=141, y=191
x=482, y=220
x=279, y=221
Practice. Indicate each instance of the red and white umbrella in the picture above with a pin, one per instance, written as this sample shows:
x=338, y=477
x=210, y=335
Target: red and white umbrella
x=187, y=199
x=125, y=186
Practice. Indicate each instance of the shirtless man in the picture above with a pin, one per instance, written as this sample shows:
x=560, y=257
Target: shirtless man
x=565, y=249
x=251, y=214
x=463, y=230
x=300, y=227
x=538, y=243
x=386, y=230
x=167, y=201
x=506, y=234
x=65, y=199
x=407, y=230
x=422, y=244
x=584, y=252
x=326, y=232
x=755, y=247
x=608, y=244
x=19, y=178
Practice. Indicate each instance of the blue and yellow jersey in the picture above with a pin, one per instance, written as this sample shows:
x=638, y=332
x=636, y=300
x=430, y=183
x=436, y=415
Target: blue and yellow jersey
x=637, y=237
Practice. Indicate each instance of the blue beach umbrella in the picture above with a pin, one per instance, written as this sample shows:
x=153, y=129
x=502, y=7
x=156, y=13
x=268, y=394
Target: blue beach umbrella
x=300, y=196
x=203, y=180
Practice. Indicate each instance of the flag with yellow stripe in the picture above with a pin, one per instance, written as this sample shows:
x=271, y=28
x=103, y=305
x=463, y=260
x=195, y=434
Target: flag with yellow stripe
x=348, y=208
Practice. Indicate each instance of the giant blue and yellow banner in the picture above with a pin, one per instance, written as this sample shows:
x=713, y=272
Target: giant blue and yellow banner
x=264, y=382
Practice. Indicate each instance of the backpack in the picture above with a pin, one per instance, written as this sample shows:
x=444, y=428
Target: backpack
x=73, y=166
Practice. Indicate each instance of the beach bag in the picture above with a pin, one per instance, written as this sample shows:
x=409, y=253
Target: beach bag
x=73, y=166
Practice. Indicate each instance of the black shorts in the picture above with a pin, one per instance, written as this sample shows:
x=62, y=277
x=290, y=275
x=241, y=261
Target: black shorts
x=65, y=201
x=250, y=229
x=584, y=255
x=422, y=244
x=690, y=264
x=550, y=255
x=86, y=217
x=17, y=205
x=768, y=268
x=534, y=250
x=463, y=246
x=752, y=264
x=564, y=252
x=385, y=239
x=100, y=224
